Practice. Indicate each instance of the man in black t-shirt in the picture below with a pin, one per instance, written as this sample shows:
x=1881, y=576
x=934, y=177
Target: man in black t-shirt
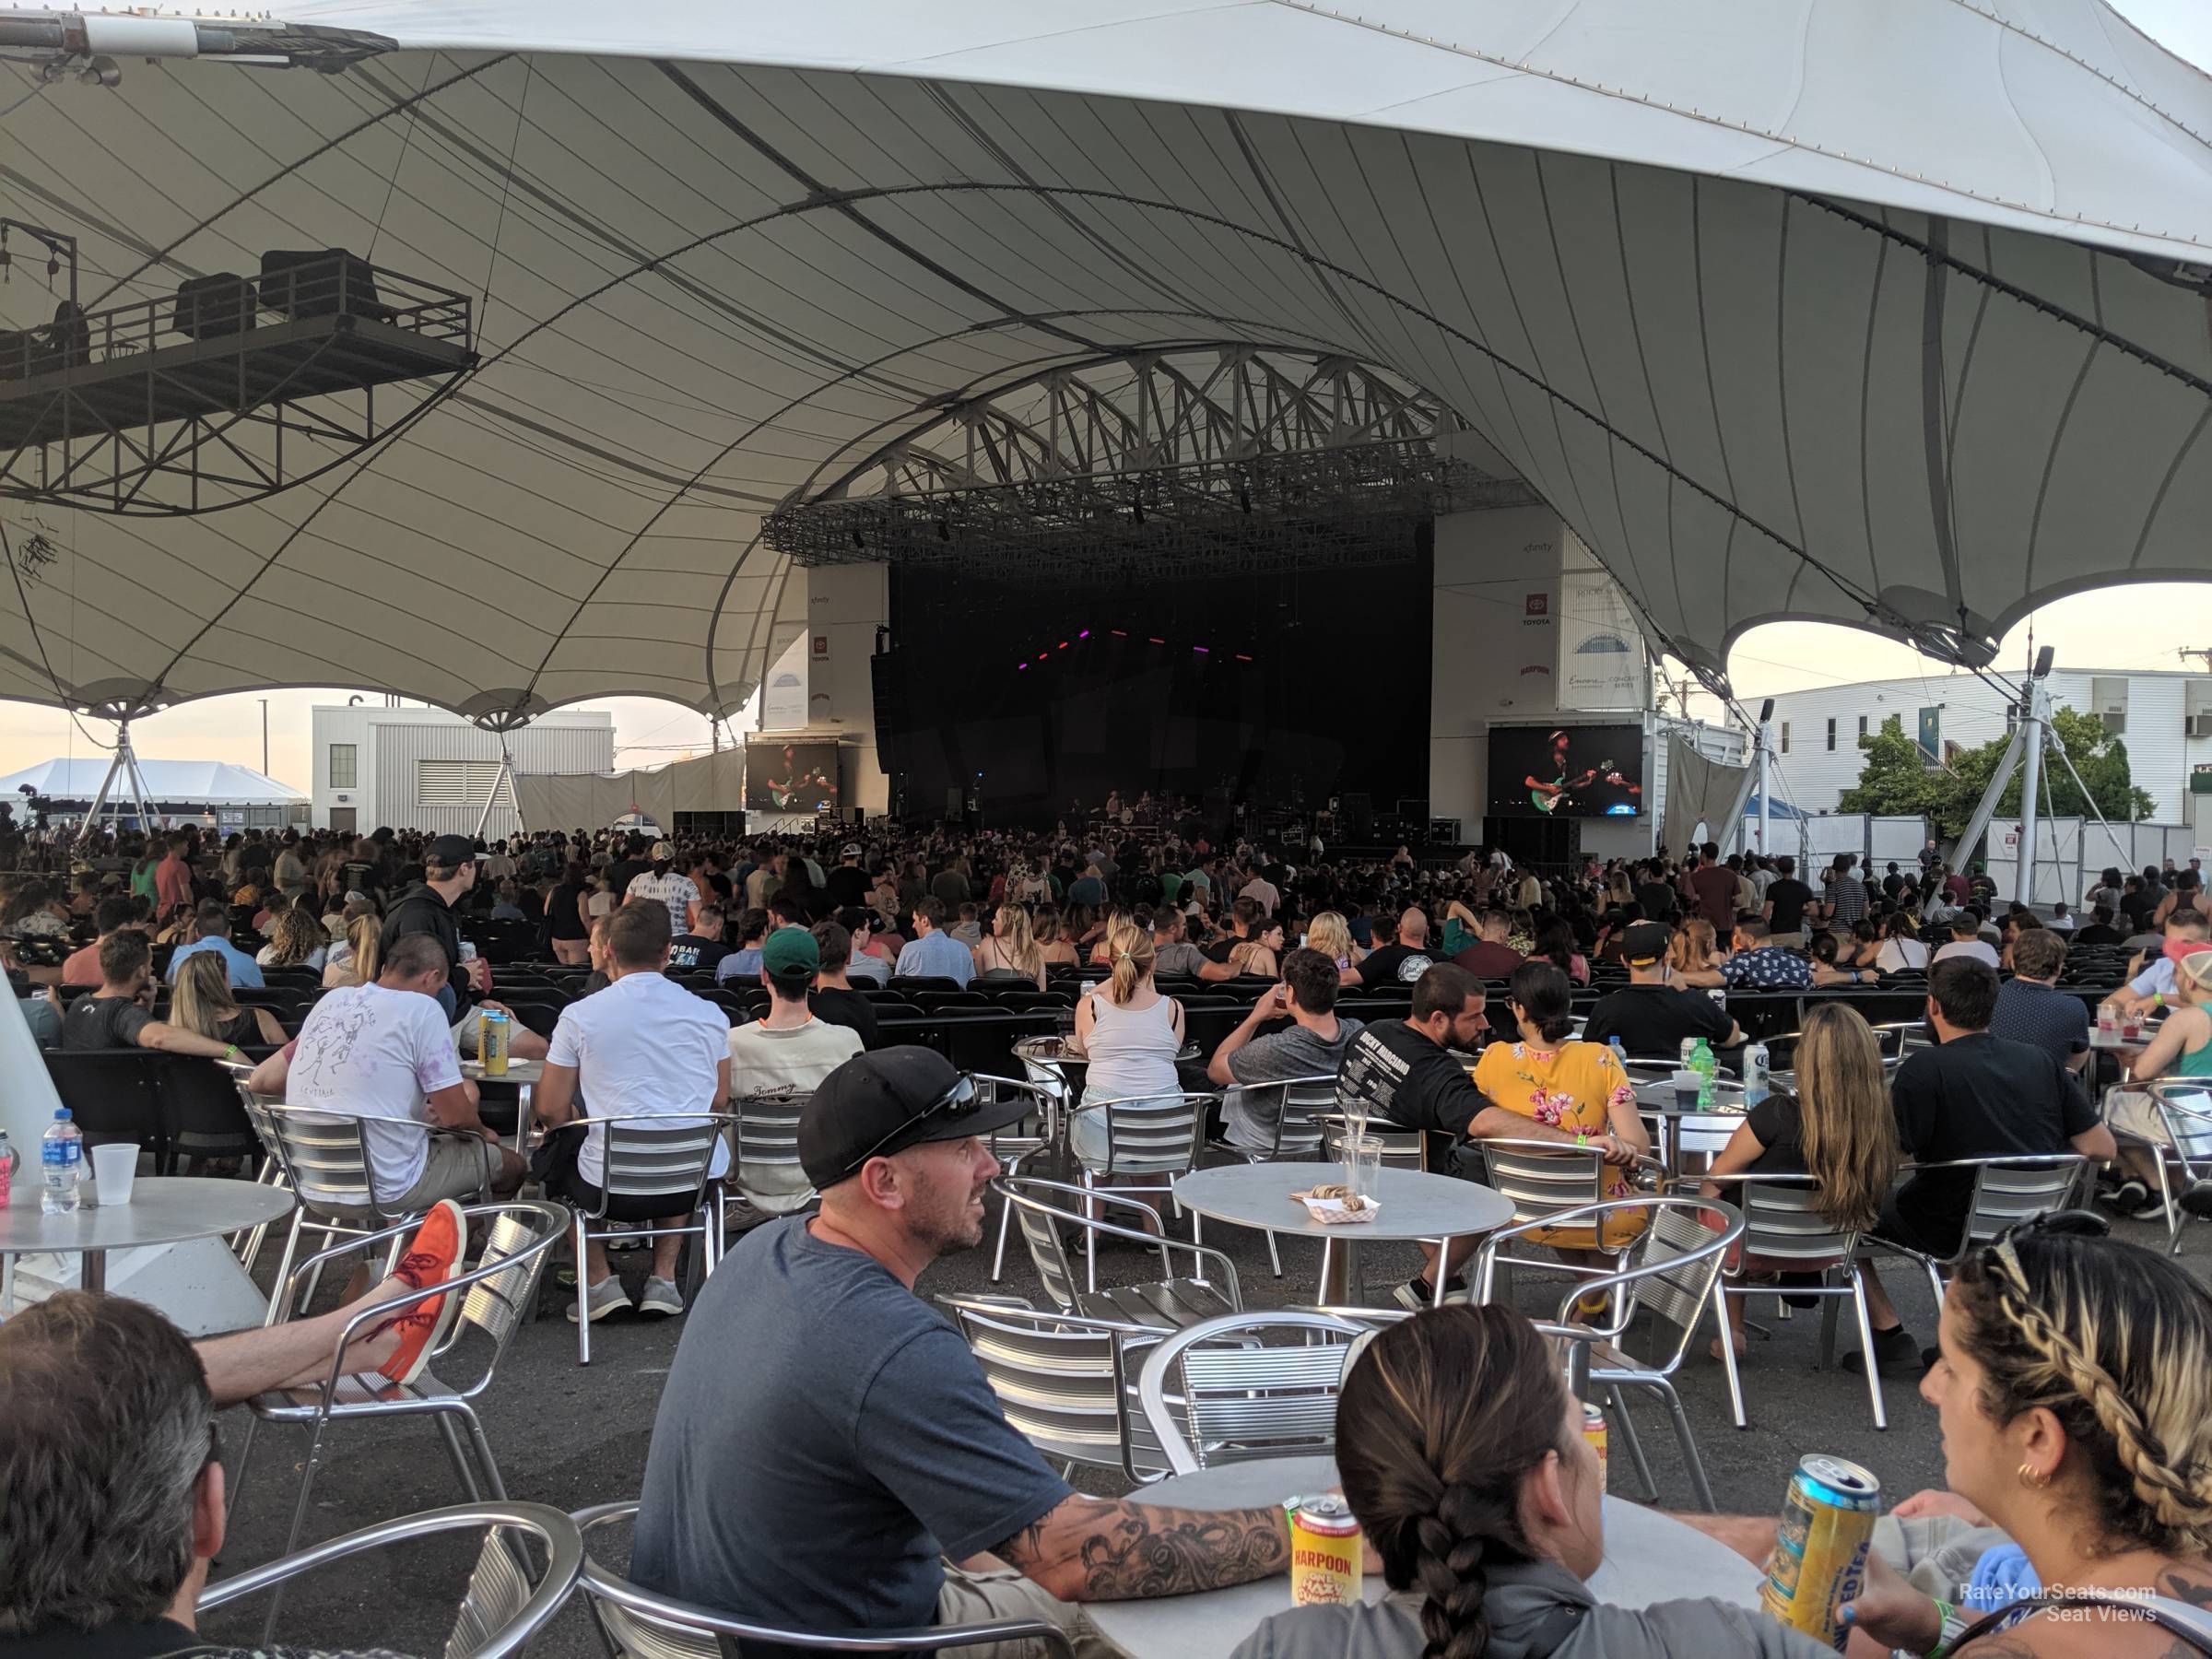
x=1649, y=1016
x=1401, y=1073
x=2100, y=930
x=1403, y=962
x=1787, y=899
x=847, y=883
x=701, y=949
x=114, y=1015
x=1972, y=1095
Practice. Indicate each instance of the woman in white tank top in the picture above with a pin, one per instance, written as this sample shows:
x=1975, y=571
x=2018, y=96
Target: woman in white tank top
x=1130, y=1034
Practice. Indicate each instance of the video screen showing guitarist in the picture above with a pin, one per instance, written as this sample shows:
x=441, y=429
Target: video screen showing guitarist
x=1556, y=782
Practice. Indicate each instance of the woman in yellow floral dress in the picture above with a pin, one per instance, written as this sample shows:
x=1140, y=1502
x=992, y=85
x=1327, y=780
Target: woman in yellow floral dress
x=1559, y=1079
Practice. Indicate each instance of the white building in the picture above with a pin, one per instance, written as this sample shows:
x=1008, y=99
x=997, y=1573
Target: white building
x=418, y=768
x=2165, y=719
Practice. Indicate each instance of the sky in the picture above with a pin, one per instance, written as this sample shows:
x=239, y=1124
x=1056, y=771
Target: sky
x=2140, y=627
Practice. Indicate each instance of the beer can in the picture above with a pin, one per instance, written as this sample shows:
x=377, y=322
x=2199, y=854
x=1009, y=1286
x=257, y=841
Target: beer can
x=491, y=1044
x=468, y=950
x=1325, y=1553
x=1819, y=1560
x=1689, y=1048
x=1594, y=1431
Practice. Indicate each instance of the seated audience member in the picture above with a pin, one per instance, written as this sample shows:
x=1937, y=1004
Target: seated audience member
x=1463, y=1457
x=1902, y=951
x=1331, y=934
x=383, y=1052
x=82, y=966
x=868, y=961
x=1966, y=940
x=507, y=907
x=788, y=1048
x=2100, y=930
x=2030, y=1007
x=834, y=999
x=1972, y=1095
x=933, y=954
x=296, y=940
x=1829, y=970
x=1260, y=956
x=1010, y=955
x=644, y=1047
x=869, y=1433
x=115, y=1014
x=1312, y=1046
x=1837, y=1128
x=211, y=927
x=2182, y=1048
x=743, y=964
x=966, y=927
x=1758, y=965
x=1053, y=940
x=1405, y=960
x=1172, y=953
x=1403, y=1074
x=701, y=949
x=1552, y=1078
x=200, y=1001
x=1651, y=1018
x=353, y=960
x=1491, y=957
x=2185, y=934
x=1130, y=1034
x=1695, y=958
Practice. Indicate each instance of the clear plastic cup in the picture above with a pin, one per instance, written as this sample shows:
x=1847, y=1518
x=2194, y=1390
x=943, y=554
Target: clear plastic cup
x=1362, y=1155
x=115, y=1173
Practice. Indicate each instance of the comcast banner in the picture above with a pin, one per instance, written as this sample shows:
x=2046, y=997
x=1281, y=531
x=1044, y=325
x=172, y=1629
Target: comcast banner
x=1601, y=649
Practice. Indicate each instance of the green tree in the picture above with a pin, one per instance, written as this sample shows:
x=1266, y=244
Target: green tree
x=1897, y=780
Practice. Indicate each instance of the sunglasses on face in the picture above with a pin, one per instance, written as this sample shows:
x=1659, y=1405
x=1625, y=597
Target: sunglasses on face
x=962, y=1100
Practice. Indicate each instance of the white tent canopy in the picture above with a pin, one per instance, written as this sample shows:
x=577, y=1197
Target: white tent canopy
x=201, y=783
x=1890, y=315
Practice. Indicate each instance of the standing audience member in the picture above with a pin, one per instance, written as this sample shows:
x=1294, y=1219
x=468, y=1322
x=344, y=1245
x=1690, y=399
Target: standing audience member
x=644, y=1047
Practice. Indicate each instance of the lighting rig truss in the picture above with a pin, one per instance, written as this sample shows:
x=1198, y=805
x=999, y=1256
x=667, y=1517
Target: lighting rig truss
x=1247, y=459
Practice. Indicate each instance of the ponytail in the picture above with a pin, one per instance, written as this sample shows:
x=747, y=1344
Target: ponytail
x=366, y=933
x=1129, y=948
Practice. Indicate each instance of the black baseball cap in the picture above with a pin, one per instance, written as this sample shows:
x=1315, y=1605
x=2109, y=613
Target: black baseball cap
x=1644, y=942
x=877, y=1104
x=450, y=851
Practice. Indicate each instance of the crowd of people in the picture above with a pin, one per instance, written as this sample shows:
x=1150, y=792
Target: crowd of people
x=876, y=1432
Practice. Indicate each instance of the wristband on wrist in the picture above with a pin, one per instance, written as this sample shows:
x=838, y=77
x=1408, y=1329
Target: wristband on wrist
x=230, y=1051
x=1955, y=1620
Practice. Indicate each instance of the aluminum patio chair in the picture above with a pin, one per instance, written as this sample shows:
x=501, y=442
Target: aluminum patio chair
x=1245, y=1386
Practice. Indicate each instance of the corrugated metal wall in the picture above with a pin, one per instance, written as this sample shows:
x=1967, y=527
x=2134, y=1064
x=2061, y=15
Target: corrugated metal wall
x=396, y=748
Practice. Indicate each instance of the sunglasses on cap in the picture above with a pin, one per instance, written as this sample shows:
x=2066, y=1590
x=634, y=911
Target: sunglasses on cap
x=962, y=1100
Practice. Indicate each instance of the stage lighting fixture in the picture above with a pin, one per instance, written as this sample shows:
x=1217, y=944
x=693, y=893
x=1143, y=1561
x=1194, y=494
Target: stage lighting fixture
x=1064, y=644
x=1203, y=650
x=1084, y=635
x=944, y=529
x=100, y=72
x=1766, y=711
x=2043, y=662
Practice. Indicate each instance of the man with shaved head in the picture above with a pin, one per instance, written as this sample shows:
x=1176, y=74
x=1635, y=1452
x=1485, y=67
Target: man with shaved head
x=1405, y=961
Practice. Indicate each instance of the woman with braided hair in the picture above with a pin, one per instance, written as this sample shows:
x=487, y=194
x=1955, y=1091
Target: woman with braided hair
x=2075, y=1386
x=1463, y=1456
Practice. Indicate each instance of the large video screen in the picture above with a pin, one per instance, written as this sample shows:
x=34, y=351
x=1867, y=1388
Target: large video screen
x=1567, y=771
x=791, y=777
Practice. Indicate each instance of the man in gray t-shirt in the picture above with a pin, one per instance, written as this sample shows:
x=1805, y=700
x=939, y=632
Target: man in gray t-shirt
x=1313, y=1046
x=1172, y=953
x=827, y=1446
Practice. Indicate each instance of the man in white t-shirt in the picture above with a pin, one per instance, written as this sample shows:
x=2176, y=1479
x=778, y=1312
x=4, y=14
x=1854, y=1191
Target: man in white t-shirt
x=1967, y=940
x=383, y=1052
x=789, y=1051
x=642, y=1047
x=668, y=887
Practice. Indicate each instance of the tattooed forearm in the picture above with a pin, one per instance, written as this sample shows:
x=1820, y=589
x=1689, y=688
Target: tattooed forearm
x=1101, y=1549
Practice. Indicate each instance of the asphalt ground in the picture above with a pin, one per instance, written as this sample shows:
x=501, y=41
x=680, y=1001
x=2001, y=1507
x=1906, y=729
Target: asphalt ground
x=571, y=1436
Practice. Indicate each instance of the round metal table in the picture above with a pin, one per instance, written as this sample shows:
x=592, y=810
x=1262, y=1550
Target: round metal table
x=164, y=1209
x=523, y=1077
x=1682, y=1129
x=1649, y=1557
x=1415, y=1207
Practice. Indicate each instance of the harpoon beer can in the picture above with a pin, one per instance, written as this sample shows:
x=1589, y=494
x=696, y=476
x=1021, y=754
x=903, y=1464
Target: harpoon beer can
x=1819, y=1560
x=491, y=1044
x=1325, y=1553
x=1594, y=1431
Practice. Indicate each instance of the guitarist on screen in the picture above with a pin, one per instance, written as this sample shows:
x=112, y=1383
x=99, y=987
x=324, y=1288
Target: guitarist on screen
x=1548, y=797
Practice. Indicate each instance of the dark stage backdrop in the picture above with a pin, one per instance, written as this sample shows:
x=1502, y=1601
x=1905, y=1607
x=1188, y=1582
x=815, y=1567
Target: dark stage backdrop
x=1279, y=690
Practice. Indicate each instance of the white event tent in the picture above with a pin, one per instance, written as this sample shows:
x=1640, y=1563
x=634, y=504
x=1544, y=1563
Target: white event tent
x=1889, y=312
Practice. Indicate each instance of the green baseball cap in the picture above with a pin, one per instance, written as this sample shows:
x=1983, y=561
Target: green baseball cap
x=790, y=953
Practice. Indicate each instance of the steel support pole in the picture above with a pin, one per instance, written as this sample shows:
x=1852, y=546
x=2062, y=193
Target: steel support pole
x=2033, y=724
x=1765, y=789
x=1986, y=808
x=100, y=799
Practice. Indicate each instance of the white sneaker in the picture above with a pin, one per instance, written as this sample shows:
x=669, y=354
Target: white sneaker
x=661, y=1297
x=603, y=1299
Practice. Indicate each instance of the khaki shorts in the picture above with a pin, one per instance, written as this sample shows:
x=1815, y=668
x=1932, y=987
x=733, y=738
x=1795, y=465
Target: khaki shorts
x=2134, y=1114
x=1004, y=1593
x=457, y=1166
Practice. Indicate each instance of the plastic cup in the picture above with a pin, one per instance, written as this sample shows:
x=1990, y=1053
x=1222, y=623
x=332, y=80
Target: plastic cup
x=1686, y=1087
x=115, y=1173
x=1362, y=1156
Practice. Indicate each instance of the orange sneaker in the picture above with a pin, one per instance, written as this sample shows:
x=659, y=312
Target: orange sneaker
x=428, y=1260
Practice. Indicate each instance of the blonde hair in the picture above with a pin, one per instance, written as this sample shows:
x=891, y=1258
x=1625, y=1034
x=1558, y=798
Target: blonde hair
x=201, y=1000
x=293, y=937
x=1129, y=948
x=1015, y=943
x=1331, y=934
x=366, y=934
x=1845, y=1124
x=1694, y=944
x=2116, y=1342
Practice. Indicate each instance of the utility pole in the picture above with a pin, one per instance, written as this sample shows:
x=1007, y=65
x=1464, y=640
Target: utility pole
x=265, y=736
x=2187, y=651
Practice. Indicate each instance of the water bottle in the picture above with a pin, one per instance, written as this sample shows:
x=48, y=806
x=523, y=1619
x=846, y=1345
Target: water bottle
x=1702, y=1062
x=1620, y=1051
x=1755, y=1074
x=61, y=1165
x=8, y=1169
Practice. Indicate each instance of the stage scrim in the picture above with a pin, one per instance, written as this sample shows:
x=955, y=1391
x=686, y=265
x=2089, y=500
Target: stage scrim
x=565, y=800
